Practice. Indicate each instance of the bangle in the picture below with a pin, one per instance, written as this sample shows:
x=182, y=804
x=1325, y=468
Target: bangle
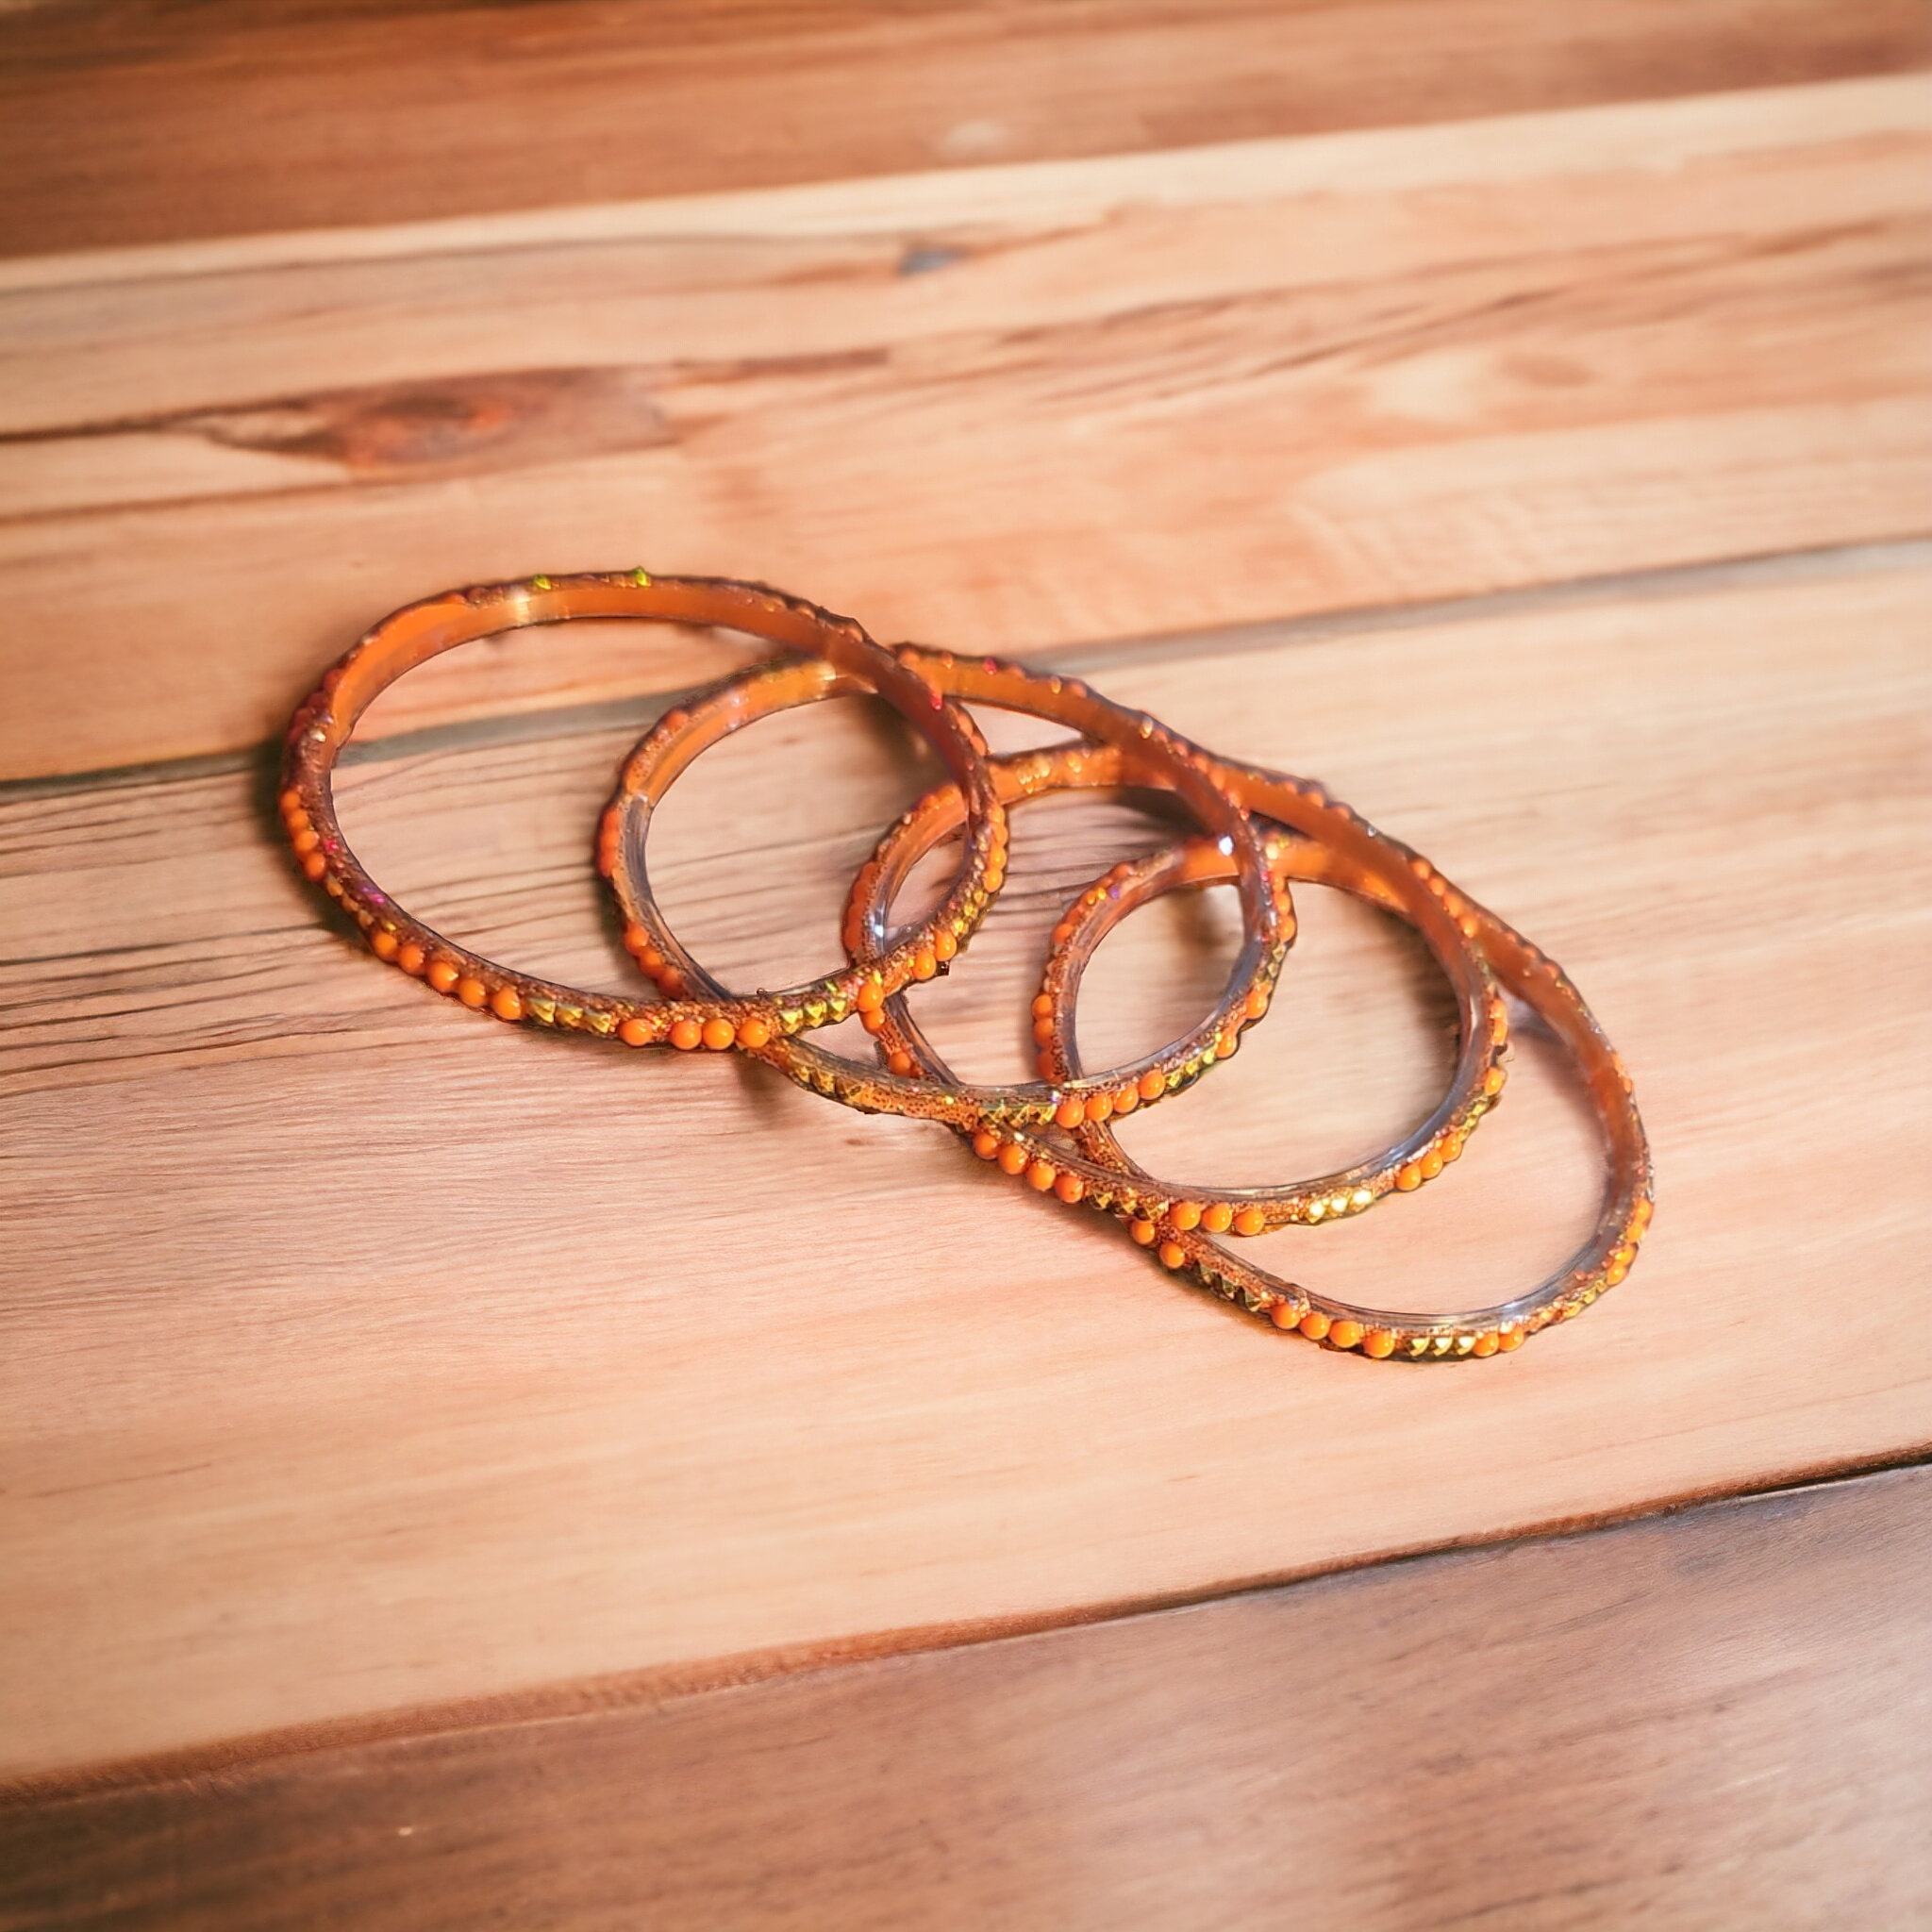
x=1156, y=1208
x=898, y=1087
x=322, y=724
x=1599, y=1264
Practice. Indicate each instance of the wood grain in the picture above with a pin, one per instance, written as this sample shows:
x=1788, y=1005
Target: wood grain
x=1026, y=409
x=144, y=121
x=1518, y=416
x=360, y=1353
x=1720, y=1718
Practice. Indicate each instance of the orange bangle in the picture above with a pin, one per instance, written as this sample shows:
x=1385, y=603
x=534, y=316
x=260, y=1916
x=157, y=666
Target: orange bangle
x=322, y=724
x=1161, y=1207
x=1601, y=1261
x=1155, y=755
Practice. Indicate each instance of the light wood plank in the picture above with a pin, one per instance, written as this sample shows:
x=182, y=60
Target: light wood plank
x=360, y=1353
x=1720, y=1718
x=1500, y=355
x=156, y=121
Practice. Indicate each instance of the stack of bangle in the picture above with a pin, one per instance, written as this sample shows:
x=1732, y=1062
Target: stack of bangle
x=1259, y=830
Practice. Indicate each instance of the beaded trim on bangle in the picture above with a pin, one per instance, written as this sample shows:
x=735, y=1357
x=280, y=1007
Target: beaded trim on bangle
x=322, y=724
x=1138, y=1197
x=897, y=1087
x=1186, y=1244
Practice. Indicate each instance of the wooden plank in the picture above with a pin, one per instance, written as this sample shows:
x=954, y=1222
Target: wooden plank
x=361, y=1355
x=142, y=121
x=1408, y=364
x=1720, y=1717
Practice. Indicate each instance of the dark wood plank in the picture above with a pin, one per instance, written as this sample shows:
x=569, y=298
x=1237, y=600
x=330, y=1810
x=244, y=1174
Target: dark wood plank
x=1718, y=1718
x=147, y=122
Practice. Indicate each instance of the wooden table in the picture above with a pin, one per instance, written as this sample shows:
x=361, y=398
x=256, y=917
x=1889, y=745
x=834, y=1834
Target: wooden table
x=450, y=1477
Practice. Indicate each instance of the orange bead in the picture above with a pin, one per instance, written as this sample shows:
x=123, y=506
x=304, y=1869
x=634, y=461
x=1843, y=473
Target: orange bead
x=290, y=800
x=1430, y=1164
x=1250, y=1221
x=315, y=865
x=1041, y=1174
x=442, y=975
x=754, y=1034
x=307, y=840
x=1217, y=1219
x=1070, y=1188
x=1409, y=1178
x=1013, y=1158
x=901, y=1063
x=871, y=996
x=1493, y=1080
x=1509, y=1339
x=1314, y=1325
x=986, y=1143
x=1485, y=1344
x=1283, y=1315
x=1184, y=1215
x=686, y=1034
x=1172, y=1254
x=1256, y=1003
x=1378, y=1342
x=634, y=1032
x=506, y=1003
x=473, y=992
x=944, y=944
x=1099, y=1107
x=1345, y=1334
x=924, y=964
x=296, y=821
x=1042, y=1006
x=1153, y=1085
x=718, y=1034
x=411, y=958
x=384, y=944
x=1615, y=1275
x=637, y=942
x=1042, y=1032
x=1143, y=1231
x=1126, y=1099
x=873, y=1022
x=1071, y=1112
